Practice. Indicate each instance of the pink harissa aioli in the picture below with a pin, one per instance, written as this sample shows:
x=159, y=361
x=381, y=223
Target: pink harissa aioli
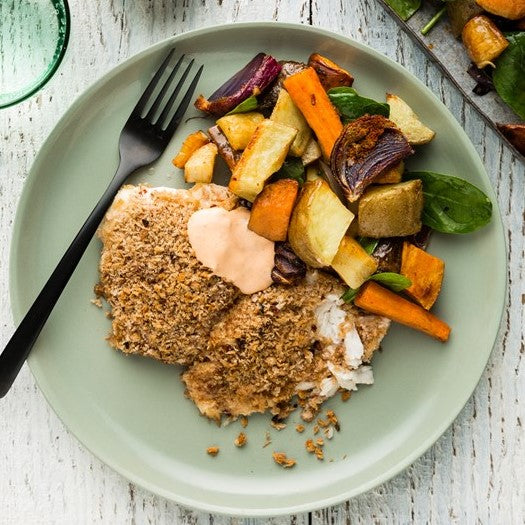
x=222, y=242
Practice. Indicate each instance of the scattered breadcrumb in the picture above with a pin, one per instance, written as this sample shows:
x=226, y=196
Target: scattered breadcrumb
x=319, y=442
x=316, y=429
x=309, y=445
x=278, y=425
x=319, y=453
x=345, y=456
x=329, y=432
x=240, y=440
x=267, y=439
x=299, y=428
x=330, y=414
x=322, y=423
x=244, y=421
x=345, y=395
x=212, y=451
x=283, y=460
x=97, y=302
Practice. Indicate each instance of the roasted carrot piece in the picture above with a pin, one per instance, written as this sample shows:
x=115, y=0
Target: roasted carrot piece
x=378, y=300
x=191, y=144
x=309, y=96
x=272, y=209
x=426, y=273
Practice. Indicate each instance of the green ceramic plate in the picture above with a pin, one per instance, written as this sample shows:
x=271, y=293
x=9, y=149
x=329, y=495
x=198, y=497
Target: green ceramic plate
x=131, y=412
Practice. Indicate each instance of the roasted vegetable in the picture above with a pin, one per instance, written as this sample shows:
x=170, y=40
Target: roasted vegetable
x=392, y=175
x=452, y=205
x=425, y=272
x=272, y=209
x=330, y=74
x=378, y=300
x=387, y=253
x=310, y=97
x=516, y=135
x=460, y=12
x=292, y=168
x=484, y=82
x=252, y=79
x=319, y=222
x=268, y=99
x=286, y=112
x=288, y=268
x=511, y=9
x=239, y=128
x=228, y=154
x=191, y=144
x=352, y=263
x=311, y=153
x=312, y=173
x=199, y=167
x=509, y=75
x=366, y=148
x=263, y=156
x=408, y=122
x=351, y=105
x=483, y=40
x=392, y=210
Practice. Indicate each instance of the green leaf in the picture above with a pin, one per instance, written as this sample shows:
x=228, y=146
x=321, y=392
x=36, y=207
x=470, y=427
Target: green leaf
x=404, y=8
x=368, y=244
x=349, y=295
x=509, y=75
x=246, y=105
x=291, y=169
x=452, y=205
x=351, y=105
x=395, y=281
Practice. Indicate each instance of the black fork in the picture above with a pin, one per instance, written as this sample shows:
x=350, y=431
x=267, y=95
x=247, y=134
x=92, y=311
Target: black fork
x=141, y=142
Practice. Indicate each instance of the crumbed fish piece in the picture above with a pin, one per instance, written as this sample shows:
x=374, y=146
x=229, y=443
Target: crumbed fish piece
x=164, y=302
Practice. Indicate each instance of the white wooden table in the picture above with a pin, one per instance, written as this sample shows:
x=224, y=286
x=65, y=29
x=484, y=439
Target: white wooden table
x=474, y=474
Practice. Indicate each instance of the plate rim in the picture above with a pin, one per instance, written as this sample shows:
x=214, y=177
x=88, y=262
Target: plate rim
x=193, y=503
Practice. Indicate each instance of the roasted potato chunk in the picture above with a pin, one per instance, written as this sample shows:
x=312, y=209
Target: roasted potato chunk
x=199, y=167
x=483, y=41
x=392, y=210
x=190, y=145
x=311, y=153
x=408, y=122
x=263, y=156
x=319, y=222
x=286, y=112
x=352, y=263
x=272, y=209
x=426, y=273
x=392, y=175
x=239, y=128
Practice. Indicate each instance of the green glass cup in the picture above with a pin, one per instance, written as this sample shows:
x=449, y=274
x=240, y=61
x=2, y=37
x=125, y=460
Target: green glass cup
x=33, y=39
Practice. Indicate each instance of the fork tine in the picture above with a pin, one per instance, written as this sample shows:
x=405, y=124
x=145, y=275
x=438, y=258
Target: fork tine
x=175, y=121
x=171, y=100
x=141, y=104
x=151, y=113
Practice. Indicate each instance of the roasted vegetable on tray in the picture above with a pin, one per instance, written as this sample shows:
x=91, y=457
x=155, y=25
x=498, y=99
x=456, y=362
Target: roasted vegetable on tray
x=324, y=171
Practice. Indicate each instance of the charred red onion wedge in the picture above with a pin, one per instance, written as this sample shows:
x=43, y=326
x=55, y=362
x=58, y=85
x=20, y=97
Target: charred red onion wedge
x=366, y=147
x=252, y=79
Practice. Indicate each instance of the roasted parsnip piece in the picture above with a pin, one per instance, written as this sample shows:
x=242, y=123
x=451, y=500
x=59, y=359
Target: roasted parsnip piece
x=392, y=175
x=483, y=40
x=286, y=112
x=199, y=167
x=426, y=273
x=330, y=74
x=319, y=222
x=311, y=153
x=239, y=128
x=352, y=263
x=191, y=144
x=391, y=210
x=263, y=156
x=408, y=122
x=272, y=209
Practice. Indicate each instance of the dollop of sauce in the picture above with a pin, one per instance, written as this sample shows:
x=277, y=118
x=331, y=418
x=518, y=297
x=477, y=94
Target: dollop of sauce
x=222, y=242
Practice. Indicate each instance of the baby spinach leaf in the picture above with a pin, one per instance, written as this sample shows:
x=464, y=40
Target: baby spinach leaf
x=368, y=244
x=395, y=281
x=351, y=105
x=246, y=105
x=509, y=75
x=452, y=205
x=349, y=295
x=404, y=8
x=291, y=169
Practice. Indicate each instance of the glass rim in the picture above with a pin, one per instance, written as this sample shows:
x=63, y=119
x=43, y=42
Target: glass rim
x=64, y=20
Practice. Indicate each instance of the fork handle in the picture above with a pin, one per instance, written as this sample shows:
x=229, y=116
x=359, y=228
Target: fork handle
x=20, y=344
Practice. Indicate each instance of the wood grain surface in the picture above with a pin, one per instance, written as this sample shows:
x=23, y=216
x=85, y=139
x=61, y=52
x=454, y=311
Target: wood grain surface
x=474, y=474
